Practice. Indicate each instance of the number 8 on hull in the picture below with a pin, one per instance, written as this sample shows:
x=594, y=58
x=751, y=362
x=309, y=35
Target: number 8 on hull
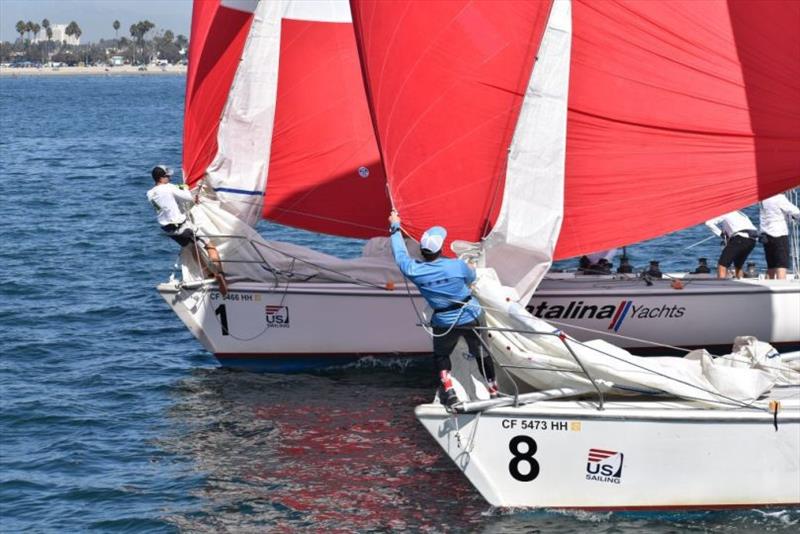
x=632, y=455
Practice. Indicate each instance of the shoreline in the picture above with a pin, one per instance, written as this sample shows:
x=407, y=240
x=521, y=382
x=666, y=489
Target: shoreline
x=93, y=71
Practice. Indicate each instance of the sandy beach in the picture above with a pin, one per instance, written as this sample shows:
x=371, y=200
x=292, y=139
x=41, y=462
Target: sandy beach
x=96, y=71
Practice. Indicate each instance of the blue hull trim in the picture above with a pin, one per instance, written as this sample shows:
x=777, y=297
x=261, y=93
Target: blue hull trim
x=302, y=363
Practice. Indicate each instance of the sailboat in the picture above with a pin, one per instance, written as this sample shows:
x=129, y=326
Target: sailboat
x=584, y=424
x=278, y=126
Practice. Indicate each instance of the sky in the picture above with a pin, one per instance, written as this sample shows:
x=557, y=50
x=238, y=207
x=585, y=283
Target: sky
x=96, y=16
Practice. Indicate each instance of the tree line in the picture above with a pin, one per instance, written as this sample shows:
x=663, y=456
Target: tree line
x=139, y=49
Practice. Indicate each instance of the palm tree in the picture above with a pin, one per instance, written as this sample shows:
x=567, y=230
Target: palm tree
x=138, y=32
x=45, y=25
x=49, y=32
x=134, y=29
x=21, y=29
x=73, y=30
x=35, y=30
x=116, y=29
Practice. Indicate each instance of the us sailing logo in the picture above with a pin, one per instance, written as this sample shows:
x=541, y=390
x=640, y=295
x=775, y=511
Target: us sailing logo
x=604, y=466
x=277, y=316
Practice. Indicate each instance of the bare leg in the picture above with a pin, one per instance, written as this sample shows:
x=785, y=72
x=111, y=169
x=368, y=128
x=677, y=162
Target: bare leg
x=739, y=272
x=219, y=274
x=722, y=271
x=780, y=273
x=771, y=273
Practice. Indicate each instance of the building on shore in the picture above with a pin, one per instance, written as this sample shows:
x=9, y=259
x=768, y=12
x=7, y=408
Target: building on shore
x=59, y=36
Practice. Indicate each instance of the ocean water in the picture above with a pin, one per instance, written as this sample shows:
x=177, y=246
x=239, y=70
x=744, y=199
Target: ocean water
x=112, y=417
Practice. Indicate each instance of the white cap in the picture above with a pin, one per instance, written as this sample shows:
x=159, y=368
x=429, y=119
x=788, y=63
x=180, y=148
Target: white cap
x=433, y=239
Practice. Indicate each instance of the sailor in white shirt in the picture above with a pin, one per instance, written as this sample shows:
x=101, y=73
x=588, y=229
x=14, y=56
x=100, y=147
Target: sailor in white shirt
x=165, y=198
x=172, y=204
x=740, y=239
x=772, y=215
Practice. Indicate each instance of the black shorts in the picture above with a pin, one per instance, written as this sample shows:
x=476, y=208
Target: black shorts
x=736, y=251
x=776, y=249
x=183, y=234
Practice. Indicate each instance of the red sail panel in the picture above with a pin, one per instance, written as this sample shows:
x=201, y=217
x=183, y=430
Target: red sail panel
x=446, y=80
x=325, y=173
x=218, y=35
x=678, y=111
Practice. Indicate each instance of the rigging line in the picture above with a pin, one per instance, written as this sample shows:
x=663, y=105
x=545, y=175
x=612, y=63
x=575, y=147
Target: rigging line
x=423, y=320
x=290, y=211
x=614, y=334
x=794, y=194
x=352, y=278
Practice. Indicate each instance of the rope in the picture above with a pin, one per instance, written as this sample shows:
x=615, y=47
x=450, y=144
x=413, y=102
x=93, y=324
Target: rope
x=794, y=234
x=321, y=268
x=423, y=320
x=614, y=334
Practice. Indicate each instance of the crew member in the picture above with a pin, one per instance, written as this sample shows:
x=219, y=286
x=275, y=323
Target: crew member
x=444, y=283
x=170, y=203
x=772, y=215
x=739, y=236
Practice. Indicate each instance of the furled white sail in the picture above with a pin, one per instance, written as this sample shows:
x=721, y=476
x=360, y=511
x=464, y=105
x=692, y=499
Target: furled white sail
x=521, y=244
x=528, y=350
x=238, y=173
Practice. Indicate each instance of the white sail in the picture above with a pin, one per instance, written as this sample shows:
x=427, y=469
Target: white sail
x=239, y=172
x=521, y=244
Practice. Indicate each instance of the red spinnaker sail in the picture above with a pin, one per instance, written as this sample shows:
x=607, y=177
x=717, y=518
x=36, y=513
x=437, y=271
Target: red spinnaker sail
x=217, y=40
x=325, y=173
x=679, y=110
x=446, y=81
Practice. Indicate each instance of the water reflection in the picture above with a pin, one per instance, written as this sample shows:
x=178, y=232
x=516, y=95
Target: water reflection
x=342, y=452
x=339, y=452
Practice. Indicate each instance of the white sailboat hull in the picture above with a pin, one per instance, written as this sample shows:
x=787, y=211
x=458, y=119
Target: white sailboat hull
x=631, y=455
x=296, y=326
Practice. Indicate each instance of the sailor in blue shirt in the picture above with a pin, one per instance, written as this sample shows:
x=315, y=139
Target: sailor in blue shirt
x=444, y=283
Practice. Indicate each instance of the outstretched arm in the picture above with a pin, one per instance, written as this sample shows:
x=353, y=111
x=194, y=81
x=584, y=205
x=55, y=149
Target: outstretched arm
x=790, y=209
x=182, y=194
x=399, y=250
x=713, y=226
